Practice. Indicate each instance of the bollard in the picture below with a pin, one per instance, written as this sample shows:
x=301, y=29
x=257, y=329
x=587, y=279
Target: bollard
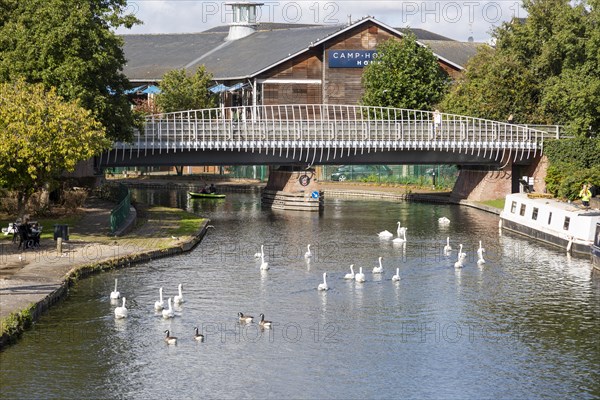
x=59, y=246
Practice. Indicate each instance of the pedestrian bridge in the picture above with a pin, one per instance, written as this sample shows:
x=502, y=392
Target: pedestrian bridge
x=325, y=134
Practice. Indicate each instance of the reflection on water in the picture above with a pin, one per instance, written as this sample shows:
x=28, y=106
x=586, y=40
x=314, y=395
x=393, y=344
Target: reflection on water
x=524, y=324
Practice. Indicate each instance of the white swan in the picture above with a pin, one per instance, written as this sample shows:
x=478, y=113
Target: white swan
x=115, y=293
x=263, y=322
x=461, y=258
x=198, y=336
x=160, y=303
x=481, y=260
x=170, y=339
x=264, y=266
x=360, y=277
x=245, y=318
x=178, y=299
x=351, y=274
x=121, y=312
x=396, y=277
x=378, y=270
x=398, y=230
x=443, y=221
x=461, y=255
x=261, y=253
x=168, y=313
x=447, y=247
x=385, y=234
x=308, y=253
x=401, y=235
x=323, y=286
x=480, y=250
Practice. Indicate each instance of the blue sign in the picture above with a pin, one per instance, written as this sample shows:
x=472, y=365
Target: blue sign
x=351, y=58
x=315, y=195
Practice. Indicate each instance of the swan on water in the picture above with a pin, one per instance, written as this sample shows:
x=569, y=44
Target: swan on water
x=360, y=277
x=351, y=274
x=396, y=277
x=261, y=253
x=443, y=221
x=308, y=253
x=121, y=312
x=401, y=235
x=460, y=259
x=263, y=322
x=198, y=336
x=159, y=305
x=447, y=247
x=168, y=313
x=170, y=339
x=461, y=254
x=115, y=293
x=385, y=234
x=264, y=266
x=481, y=260
x=245, y=318
x=323, y=286
x=178, y=299
x=480, y=250
x=378, y=270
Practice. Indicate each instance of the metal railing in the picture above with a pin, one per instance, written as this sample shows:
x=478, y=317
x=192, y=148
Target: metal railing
x=119, y=214
x=293, y=130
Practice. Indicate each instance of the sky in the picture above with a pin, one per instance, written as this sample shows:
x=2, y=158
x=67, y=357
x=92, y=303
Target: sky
x=456, y=19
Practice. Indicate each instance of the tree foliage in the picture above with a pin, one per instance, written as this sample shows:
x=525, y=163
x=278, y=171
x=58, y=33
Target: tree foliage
x=70, y=45
x=180, y=91
x=407, y=75
x=41, y=135
x=544, y=69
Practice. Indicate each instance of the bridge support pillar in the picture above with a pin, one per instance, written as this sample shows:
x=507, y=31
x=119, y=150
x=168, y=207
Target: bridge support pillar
x=292, y=189
x=480, y=184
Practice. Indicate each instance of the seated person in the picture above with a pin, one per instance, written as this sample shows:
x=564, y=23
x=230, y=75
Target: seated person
x=212, y=188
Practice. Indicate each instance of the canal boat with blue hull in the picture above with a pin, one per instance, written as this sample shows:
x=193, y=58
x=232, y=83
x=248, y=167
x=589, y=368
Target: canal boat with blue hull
x=558, y=223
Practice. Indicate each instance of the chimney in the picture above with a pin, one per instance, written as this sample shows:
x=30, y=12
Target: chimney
x=244, y=19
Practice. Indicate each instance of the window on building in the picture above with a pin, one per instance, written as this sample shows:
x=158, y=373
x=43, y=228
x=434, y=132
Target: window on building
x=513, y=207
x=522, y=211
x=549, y=218
x=534, y=214
x=566, y=224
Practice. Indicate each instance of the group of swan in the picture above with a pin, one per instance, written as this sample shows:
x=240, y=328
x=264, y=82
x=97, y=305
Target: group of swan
x=360, y=276
x=400, y=232
x=264, y=266
x=159, y=305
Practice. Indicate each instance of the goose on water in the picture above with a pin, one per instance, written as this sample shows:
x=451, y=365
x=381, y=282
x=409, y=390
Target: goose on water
x=198, y=336
x=245, y=318
x=170, y=339
x=263, y=322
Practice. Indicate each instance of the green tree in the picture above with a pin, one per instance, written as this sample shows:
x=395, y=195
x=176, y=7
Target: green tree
x=180, y=91
x=41, y=136
x=70, y=45
x=407, y=76
x=544, y=69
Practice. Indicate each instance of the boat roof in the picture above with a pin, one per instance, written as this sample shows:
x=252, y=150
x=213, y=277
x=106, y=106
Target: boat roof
x=554, y=203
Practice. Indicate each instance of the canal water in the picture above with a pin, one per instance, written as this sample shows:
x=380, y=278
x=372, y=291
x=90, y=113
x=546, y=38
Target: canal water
x=524, y=325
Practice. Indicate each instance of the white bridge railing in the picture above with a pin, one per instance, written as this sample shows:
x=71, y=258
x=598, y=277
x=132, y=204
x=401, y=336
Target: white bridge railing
x=295, y=131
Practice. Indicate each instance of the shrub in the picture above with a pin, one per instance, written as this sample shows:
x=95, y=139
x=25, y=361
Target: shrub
x=72, y=199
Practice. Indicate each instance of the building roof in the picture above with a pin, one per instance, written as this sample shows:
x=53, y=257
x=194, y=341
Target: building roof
x=150, y=56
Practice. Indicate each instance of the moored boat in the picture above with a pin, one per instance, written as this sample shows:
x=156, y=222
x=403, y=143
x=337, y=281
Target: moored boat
x=206, y=195
x=558, y=223
x=596, y=248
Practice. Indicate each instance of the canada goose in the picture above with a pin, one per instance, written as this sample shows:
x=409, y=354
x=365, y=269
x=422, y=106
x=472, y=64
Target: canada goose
x=245, y=318
x=170, y=339
x=351, y=274
x=396, y=277
x=263, y=322
x=323, y=286
x=159, y=305
x=115, y=293
x=378, y=270
x=178, y=299
x=121, y=312
x=360, y=277
x=198, y=336
x=168, y=313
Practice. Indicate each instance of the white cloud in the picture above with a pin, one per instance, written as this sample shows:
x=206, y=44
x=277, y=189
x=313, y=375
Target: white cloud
x=457, y=19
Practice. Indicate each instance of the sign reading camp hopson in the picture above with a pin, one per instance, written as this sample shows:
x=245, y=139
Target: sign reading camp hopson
x=351, y=58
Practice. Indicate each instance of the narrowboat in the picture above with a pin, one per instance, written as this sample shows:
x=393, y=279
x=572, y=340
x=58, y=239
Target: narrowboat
x=566, y=225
